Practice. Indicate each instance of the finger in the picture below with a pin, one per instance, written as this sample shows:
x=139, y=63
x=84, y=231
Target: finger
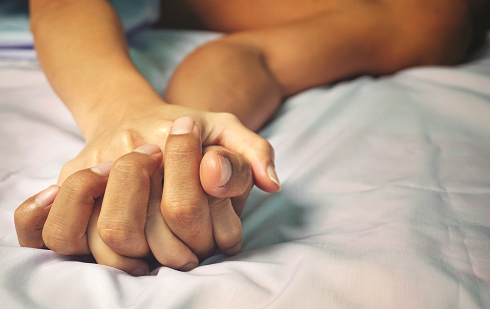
x=227, y=227
x=65, y=229
x=223, y=173
x=122, y=218
x=238, y=202
x=184, y=202
x=165, y=246
x=104, y=255
x=229, y=132
x=31, y=215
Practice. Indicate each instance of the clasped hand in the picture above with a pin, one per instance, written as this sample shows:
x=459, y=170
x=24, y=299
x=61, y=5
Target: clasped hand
x=119, y=211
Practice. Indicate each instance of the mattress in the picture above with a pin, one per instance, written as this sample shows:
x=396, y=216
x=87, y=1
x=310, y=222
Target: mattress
x=385, y=200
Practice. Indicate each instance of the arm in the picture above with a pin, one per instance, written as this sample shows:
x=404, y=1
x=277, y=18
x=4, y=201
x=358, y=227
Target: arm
x=82, y=49
x=249, y=73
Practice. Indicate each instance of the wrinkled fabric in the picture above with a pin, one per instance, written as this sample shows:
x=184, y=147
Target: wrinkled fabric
x=385, y=200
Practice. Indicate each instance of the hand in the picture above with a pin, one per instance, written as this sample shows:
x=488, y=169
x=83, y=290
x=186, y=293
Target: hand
x=181, y=150
x=150, y=123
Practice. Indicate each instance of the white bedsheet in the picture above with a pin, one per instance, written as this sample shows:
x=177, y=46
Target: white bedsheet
x=385, y=200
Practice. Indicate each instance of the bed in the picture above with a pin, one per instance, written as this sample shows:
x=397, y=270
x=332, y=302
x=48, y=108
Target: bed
x=385, y=200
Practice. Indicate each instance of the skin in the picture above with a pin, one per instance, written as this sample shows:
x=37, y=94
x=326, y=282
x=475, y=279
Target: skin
x=250, y=71
x=72, y=221
x=117, y=111
x=274, y=49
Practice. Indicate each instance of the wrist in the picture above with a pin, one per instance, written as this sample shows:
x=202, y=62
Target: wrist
x=117, y=105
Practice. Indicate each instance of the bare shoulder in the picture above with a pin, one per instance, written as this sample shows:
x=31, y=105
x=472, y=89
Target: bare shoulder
x=460, y=23
x=240, y=15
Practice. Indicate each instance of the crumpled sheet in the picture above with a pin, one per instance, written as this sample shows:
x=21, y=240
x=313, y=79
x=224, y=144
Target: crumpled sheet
x=385, y=200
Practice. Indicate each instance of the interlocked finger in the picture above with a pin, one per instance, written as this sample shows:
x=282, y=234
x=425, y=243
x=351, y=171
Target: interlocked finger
x=184, y=202
x=227, y=178
x=104, y=255
x=121, y=224
x=31, y=216
x=169, y=250
x=226, y=174
x=65, y=228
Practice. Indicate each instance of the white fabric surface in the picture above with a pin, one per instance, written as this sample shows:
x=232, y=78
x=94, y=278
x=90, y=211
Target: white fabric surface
x=385, y=200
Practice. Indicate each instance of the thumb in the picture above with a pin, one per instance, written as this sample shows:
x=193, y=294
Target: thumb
x=31, y=215
x=226, y=130
x=224, y=173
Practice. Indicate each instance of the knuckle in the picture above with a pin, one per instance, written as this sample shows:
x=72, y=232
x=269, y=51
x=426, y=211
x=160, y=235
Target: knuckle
x=55, y=239
x=183, y=213
x=228, y=117
x=21, y=218
x=122, y=239
x=72, y=165
x=264, y=144
x=77, y=181
x=173, y=258
x=114, y=237
x=231, y=238
x=129, y=167
x=80, y=187
x=68, y=167
x=127, y=138
x=218, y=204
x=227, y=232
x=112, y=260
x=260, y=145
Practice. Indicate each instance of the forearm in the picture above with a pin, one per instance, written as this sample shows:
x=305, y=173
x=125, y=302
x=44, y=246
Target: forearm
x=318, y=50
x=82, y=49
x=249, y=73
x=373, y=38
x=224, y=77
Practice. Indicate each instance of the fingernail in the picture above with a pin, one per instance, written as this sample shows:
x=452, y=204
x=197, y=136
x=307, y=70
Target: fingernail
x=149, y=149
x=103, y=168
x=47, y=196
x=183, y=125
x=138, y=272
x=189, y=267
x=234, y=250
x=225, y=170
x=271, y=171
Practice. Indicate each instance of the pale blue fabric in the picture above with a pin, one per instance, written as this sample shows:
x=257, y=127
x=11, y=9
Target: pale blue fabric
x=16, y=41
x=385, y=200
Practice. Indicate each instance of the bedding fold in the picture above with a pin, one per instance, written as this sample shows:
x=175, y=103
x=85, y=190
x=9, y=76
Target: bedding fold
x=385, y=200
